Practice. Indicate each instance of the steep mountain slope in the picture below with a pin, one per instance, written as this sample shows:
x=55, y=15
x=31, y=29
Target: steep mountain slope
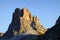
x=54, y=32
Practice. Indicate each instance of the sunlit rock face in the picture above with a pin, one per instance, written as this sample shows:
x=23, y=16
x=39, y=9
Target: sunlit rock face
x=37, y=26
x=27, y=14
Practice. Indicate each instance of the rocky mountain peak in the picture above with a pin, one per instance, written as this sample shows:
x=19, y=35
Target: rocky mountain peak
x=24, y=23
x=24, y=26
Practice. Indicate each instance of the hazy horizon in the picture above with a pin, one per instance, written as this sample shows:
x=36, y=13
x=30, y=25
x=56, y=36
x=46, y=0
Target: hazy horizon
x=47, y=11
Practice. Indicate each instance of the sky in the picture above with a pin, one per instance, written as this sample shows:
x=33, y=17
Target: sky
x=47, y=11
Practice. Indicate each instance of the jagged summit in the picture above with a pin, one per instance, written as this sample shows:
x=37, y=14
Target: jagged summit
x=24, y=23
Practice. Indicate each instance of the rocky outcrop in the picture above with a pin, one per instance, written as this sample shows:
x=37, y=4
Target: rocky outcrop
x=23, y=23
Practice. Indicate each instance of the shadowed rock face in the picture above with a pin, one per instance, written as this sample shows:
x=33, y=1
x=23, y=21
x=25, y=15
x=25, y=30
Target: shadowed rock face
x=14, y=25
x=24, y=23
x=58, y=21
x=54, y=32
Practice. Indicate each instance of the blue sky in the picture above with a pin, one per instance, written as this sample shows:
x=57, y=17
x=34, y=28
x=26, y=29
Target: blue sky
x=47, y=11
